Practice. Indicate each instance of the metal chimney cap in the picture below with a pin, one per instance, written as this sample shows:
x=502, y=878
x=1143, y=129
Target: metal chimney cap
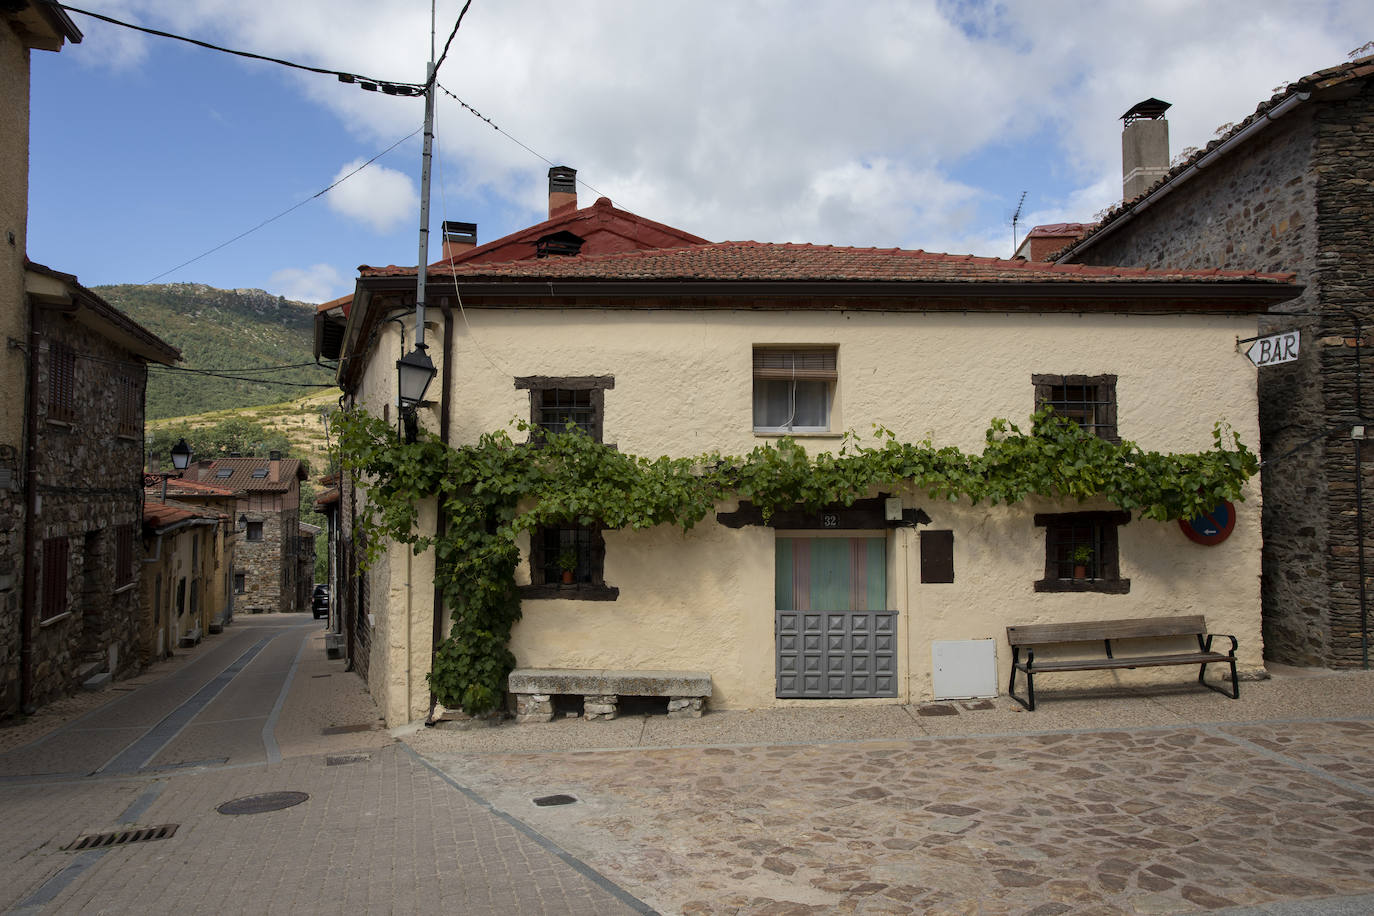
x=1151, y=108
x=563, y=178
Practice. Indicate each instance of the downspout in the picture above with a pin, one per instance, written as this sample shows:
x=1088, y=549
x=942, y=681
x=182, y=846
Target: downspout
x=1359, y=494
x=30, y=607
x=441, y=519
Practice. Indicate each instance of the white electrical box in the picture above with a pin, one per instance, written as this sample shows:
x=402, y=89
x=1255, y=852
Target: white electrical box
x=964, y=668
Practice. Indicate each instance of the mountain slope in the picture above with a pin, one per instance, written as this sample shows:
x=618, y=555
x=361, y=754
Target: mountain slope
x=222, y=329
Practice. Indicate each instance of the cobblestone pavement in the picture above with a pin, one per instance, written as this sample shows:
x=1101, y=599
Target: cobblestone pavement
x=1139, y=820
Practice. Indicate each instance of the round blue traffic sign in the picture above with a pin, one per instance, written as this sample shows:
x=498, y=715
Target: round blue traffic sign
x=1211, y=527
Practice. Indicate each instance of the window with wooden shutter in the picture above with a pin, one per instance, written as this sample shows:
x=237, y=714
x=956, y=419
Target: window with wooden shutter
x=61, y=382
x=56, y=563
x=794, y=388
x=124, y=555
x=128, y=393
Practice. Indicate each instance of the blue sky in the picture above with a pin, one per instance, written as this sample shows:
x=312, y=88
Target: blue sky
x=912, y=124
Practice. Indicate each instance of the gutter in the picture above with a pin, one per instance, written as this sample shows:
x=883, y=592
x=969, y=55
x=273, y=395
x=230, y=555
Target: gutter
x=1202, y=162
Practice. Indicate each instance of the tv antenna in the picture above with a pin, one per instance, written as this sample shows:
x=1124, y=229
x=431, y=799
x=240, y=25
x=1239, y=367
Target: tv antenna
x=1015, y=218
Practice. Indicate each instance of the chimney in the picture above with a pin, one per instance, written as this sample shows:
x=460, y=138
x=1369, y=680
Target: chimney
x=458, y=238
x=562, y=190
x=1144, y=147
x=274, y=466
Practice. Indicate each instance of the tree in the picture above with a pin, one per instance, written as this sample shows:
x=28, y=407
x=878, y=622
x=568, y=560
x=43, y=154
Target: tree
x=234, y=436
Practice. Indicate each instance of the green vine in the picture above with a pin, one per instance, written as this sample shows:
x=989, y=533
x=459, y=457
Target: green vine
x=494, y=490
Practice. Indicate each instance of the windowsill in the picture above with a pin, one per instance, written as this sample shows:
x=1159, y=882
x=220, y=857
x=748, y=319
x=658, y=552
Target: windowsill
x=1101, y=586
x=54, y=620
x=126, y=437
x=577, y=592
x=67, y=425
x=797, y=433
x=126, y=587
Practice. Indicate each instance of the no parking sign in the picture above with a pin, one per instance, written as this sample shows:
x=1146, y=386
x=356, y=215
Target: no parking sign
x=1211, y=527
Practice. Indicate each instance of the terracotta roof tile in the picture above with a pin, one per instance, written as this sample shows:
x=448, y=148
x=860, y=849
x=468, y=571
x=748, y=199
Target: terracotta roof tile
x=240, y=476
x=791, y=261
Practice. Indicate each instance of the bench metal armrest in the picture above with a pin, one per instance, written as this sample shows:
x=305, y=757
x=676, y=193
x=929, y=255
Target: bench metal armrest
x=1234, y=644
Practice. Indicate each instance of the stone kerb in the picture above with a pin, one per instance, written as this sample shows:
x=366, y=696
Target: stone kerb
x=601, y=689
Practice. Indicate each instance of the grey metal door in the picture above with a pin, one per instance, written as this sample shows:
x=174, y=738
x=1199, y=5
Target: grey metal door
x=833, y=636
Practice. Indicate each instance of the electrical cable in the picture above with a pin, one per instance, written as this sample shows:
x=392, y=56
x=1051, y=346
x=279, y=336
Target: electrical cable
x=250, y=368
x=492, y=124
x=296, y=206
x=390, y=87
x=433, y=77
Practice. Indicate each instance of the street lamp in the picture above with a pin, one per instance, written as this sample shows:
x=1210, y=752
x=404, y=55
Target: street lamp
x=414, y=371
x=181, y=460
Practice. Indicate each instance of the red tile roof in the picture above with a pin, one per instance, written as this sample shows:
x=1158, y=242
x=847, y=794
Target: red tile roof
x=764, y=261
x=158, y=515
x=240, y=477
x=181, y=486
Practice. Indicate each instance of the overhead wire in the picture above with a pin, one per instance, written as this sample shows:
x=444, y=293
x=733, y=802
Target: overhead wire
x=390, y=87
x=433, y=77
x=296, y=206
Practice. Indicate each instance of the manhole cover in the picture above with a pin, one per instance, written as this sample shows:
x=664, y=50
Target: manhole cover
x=550, y=800
x=259, y=804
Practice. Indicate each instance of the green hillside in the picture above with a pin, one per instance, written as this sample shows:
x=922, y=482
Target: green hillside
x=222, y=329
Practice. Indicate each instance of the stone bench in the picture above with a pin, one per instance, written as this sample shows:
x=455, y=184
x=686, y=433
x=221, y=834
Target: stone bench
x=602, y=688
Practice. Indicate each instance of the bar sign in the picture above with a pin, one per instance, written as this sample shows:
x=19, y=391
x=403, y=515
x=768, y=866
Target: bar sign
x=1279, y=348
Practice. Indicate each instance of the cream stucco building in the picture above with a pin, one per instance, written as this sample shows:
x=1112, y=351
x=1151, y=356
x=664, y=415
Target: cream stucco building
x=682, y=350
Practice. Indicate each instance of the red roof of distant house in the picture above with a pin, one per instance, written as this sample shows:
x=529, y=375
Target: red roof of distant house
x=181, y=486
x=1050, y=229
x=240, y=473
x=158, y=515
x=327, y=498
x=765, y=261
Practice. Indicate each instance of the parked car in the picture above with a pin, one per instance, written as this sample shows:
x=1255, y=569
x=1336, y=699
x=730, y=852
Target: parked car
x=319, y=602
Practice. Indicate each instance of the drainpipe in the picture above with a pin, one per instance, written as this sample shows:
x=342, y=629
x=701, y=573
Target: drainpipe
x=1359, y=494
x=29, y=610
x=441, y=521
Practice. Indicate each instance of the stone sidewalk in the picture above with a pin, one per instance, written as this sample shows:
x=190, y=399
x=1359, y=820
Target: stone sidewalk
x=1119, y=805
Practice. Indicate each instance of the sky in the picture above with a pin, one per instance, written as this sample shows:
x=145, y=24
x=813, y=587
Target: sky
x=887, y=124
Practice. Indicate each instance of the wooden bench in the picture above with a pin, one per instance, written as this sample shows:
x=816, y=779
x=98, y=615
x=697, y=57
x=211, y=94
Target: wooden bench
x=1104, y=632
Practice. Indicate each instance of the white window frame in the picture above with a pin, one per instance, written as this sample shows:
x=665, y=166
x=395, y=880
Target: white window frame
x=808, y=363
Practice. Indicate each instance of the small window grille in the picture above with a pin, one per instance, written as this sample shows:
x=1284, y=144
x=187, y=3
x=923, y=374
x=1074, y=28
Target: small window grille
x=561, y=409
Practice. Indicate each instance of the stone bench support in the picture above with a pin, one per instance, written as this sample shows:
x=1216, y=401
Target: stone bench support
x=601, y=690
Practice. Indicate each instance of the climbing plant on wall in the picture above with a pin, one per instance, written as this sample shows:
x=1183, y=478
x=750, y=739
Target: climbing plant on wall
x=494, y=490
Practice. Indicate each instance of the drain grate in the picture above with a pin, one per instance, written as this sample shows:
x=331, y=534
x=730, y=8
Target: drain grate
x=260, y=804
x=547, y=801
x=121, y=837
x=343, y=759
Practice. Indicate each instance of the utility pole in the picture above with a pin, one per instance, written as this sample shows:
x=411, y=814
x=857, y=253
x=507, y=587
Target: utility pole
x=426, y=157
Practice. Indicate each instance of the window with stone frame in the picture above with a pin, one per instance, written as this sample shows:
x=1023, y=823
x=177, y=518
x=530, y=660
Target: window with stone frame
x=1088, y=400
x=1081, y=553
x=124, y=555
x=240, y=583
x=568, y=561
x=561, y=403
x=61, y=382
x=794, y=388
x=57, y=554
x=254, y=531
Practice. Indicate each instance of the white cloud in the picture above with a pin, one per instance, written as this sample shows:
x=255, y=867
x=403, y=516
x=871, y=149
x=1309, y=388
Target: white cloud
x=878, y=123
x=377, y=196
x=316, y=283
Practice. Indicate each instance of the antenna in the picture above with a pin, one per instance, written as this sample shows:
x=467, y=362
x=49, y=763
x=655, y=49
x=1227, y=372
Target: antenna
x=1015, y=218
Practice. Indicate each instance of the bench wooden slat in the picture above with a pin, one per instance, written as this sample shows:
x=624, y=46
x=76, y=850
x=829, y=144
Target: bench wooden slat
x=1142, y=661
x=1139, y=628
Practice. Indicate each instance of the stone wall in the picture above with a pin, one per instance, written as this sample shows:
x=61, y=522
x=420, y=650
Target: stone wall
x=1294, y=198
x=268, y=565
x=1345, y=275
x=90, y=483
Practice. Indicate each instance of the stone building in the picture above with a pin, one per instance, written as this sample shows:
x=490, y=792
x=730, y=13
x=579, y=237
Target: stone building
x=1287, y=188
x=266, y=510
x=681, y=349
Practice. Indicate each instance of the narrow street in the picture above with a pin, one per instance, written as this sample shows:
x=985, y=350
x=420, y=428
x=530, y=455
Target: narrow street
x=259, y=711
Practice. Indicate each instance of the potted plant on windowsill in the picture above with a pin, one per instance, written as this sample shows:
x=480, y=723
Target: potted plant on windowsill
x=567, y=561
x=1081, y=556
